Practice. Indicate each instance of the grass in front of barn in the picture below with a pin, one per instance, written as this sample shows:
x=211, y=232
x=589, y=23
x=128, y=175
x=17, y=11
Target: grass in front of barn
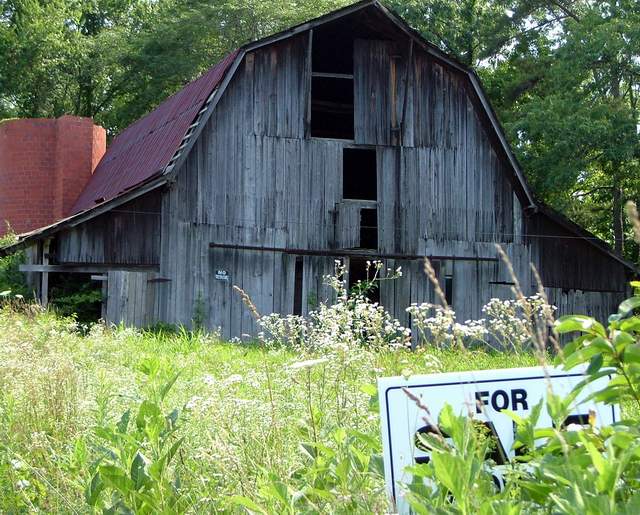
x=250, y=418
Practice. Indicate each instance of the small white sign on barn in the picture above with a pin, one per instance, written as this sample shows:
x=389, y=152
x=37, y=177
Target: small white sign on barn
x=515, y=389
x=222, y=275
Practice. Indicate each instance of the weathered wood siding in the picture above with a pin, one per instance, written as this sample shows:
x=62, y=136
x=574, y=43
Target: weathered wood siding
x=592, y=303
x=569, y=262
x=130, y=298
x=253, y=179
x=128, y=234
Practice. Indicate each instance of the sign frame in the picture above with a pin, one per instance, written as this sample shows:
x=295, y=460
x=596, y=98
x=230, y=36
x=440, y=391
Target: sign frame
x=471, y=380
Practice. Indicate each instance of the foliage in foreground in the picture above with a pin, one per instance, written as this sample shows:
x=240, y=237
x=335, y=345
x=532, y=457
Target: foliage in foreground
x=11, y=279
x=287, y=430
x=573, y=469
x=120, y=420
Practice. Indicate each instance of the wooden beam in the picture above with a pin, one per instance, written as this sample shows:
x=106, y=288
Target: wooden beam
x=332, y=75
x=159, y=280
x=87, y=268
x=364, y=253
x=407, y=76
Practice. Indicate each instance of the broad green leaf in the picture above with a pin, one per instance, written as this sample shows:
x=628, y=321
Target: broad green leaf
x=621, y=339
x=627, y=306
x=168, y=385
x=116, y=478
x=92, y=492
x=595, y=364
x=123, y=423
x=148, y=411
x=139, y=474
x=632, y=353
x=630, y=324
x=583, y=355
x=369, y=389
x=573, y=323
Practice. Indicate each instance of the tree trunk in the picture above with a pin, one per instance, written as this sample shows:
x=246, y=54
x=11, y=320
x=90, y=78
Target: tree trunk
x=618, y=215
x=617, y=208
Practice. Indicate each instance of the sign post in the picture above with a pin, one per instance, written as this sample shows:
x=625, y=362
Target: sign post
x=483, y=393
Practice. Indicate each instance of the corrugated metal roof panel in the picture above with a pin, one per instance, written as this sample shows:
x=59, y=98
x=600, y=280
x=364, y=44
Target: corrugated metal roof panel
x=144, y=148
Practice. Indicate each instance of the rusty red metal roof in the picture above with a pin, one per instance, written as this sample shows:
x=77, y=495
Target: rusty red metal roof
x=145, y=148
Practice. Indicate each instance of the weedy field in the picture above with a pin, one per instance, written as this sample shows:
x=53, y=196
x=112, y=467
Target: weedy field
x=247, y=417
x=113, y=420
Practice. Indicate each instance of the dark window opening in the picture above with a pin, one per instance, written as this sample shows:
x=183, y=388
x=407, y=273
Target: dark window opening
x=332, y=50
x=448, y=282
x=359, y=174
x=358, y=277
x=332, y=85
x=76, y=294
x=332, y=108
x=297, y=288
x=369, y=228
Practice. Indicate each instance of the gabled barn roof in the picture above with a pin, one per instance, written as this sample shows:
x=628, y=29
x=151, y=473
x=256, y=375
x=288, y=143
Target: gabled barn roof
x=145, y=154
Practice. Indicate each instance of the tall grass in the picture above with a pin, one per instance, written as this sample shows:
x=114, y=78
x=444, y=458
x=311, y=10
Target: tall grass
x=245, y=408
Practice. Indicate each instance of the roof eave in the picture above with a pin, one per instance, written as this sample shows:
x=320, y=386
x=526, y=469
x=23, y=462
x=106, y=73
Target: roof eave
x=27, y=239
x=591, y=238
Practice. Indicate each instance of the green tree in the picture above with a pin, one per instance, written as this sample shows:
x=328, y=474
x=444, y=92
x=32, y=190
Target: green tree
x=563, y=76
x=115, y=60
x=575, y=125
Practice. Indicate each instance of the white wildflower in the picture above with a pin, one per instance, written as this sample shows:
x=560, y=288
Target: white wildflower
x=193, y=402
x=21, y=484
x=307, y=363
x=235, y=378
x=209, y=380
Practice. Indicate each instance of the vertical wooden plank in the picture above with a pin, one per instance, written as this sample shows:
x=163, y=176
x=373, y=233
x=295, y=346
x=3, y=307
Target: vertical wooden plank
x=44, y=285
x=307, y=84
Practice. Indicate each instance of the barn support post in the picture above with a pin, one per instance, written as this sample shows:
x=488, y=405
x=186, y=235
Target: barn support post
x=44, y=284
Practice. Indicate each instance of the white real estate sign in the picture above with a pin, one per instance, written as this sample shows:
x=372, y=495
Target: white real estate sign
x=484, y=393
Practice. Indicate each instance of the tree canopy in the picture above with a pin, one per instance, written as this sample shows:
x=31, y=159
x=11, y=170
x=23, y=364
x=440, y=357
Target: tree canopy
x=563, y=75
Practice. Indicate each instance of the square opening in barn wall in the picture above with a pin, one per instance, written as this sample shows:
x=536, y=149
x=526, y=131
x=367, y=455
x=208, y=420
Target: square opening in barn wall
x=358, y=274
x=359, y=174
x=332, y=107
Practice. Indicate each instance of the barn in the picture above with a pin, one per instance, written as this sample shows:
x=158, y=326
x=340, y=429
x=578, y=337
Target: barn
x=347, y=137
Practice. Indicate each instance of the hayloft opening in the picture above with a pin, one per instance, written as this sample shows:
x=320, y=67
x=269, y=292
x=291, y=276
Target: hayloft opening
x=331, y=108
x=332, y=85
x=359, y=174
x=358, y=277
